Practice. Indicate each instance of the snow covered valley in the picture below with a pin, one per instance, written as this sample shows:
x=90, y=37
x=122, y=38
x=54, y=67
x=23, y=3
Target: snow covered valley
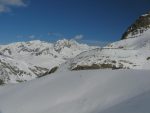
x=96, y=91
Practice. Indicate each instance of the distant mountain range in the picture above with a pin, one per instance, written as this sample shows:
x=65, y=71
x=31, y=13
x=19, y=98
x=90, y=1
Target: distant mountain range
x=23, y=61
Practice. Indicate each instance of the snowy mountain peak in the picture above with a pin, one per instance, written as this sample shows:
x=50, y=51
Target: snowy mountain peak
x=36, y=41
x=61, y=44
x=137, y=29
x=65, y=43
x=146, y=14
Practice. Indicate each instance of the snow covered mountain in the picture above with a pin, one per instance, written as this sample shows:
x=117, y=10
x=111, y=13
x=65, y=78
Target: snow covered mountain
x=141, y=25
x=132, y=52
x=24, y=61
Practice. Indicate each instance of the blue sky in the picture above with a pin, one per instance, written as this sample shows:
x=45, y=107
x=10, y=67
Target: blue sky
x=90, y=21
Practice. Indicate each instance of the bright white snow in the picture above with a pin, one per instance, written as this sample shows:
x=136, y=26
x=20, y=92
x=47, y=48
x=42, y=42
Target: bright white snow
x=99, y=91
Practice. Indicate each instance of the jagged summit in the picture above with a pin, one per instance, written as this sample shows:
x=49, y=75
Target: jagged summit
x=65, y=44
x=141, y=25
x=41, y=47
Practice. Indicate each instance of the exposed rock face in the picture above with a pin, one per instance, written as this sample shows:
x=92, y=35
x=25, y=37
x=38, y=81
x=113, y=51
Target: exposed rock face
x=141, y=25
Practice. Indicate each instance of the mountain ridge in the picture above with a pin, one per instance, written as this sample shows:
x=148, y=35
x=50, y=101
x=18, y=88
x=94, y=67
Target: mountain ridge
x=141, y=25
x=39, y=58
x=23, y=61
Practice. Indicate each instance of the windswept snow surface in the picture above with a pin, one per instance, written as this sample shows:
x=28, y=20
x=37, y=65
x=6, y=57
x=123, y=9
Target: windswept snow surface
x=96, y=91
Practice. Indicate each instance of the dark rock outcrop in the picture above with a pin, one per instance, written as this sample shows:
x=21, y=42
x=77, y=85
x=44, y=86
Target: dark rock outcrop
x=138, y=27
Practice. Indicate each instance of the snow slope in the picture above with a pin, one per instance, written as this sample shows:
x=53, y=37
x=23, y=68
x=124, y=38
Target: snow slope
x=137, y=104
x=140, y=42
x=14, y=71
x=96, y=91
x=130, y=53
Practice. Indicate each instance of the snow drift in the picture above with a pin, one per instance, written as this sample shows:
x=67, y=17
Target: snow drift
x=96, y=91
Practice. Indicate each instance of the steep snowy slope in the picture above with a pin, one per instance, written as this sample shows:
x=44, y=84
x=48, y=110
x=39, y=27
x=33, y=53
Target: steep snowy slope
x=137, y=104
x=23, y=61
x=140, y=42
x=96, y=91
x=14, y=71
